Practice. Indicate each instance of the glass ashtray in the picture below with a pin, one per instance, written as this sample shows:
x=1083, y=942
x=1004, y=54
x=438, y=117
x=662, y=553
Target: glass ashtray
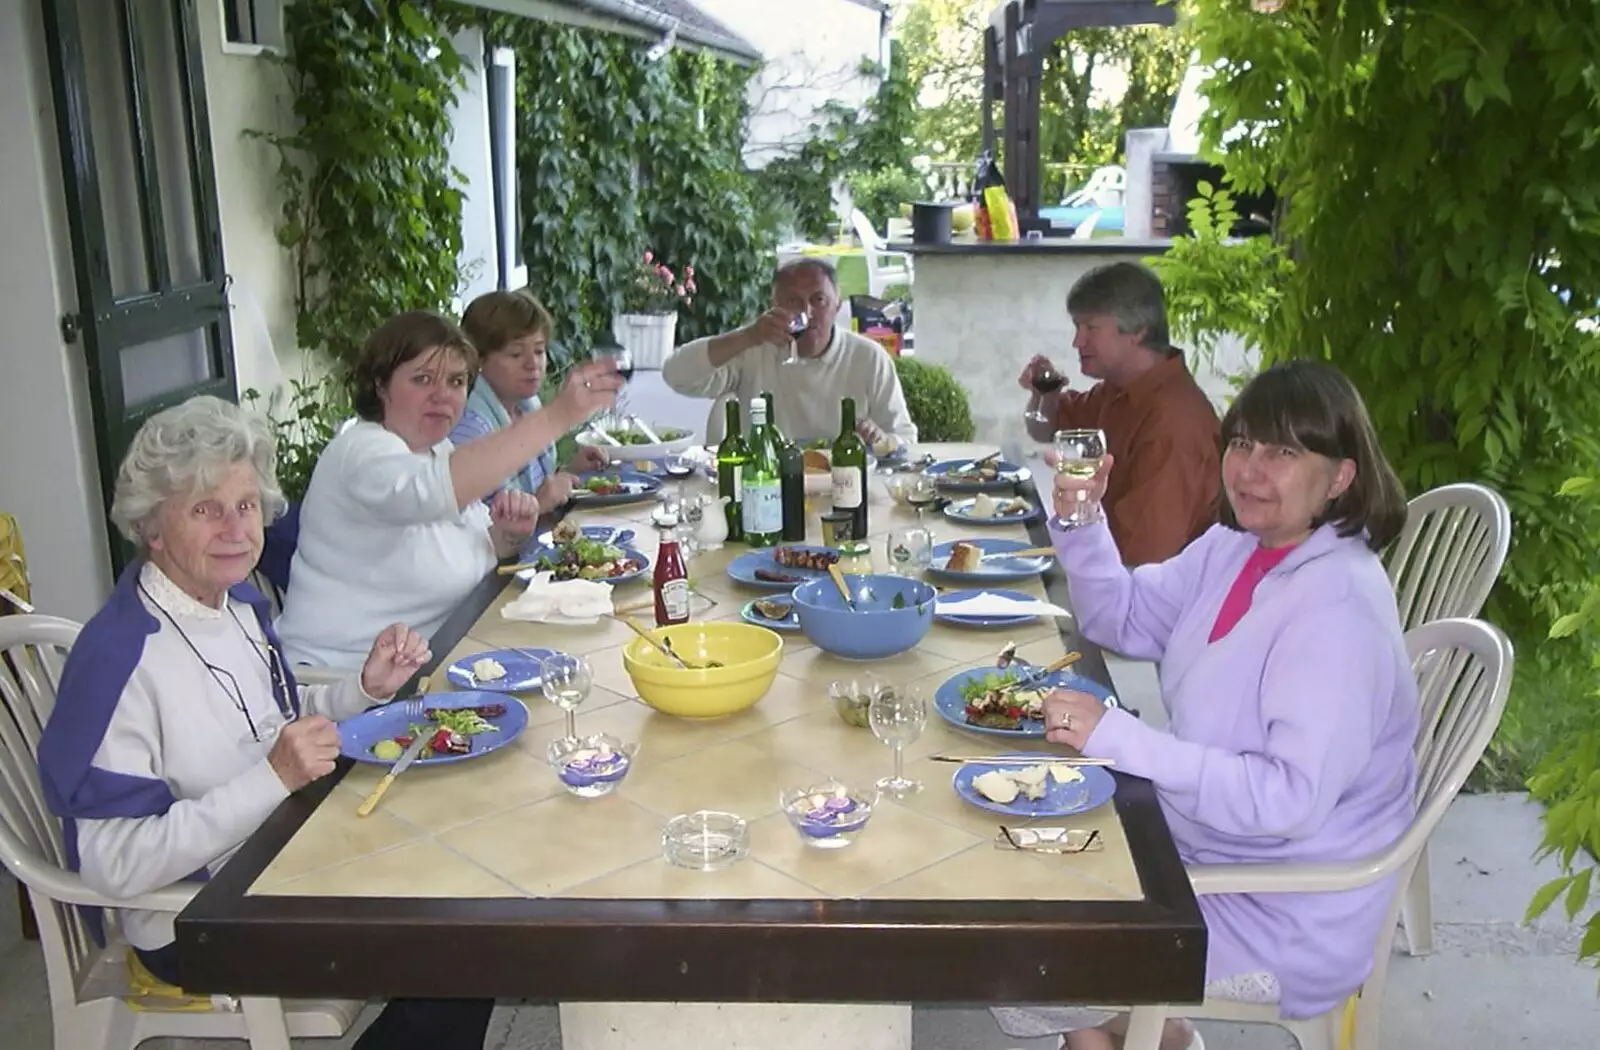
x=705, y=840
x=828, y=815
x=591, y=766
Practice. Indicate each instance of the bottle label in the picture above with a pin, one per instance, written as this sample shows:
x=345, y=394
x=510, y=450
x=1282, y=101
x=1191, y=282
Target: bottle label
x=675, y=601
x=730, y=480
x=847, y=494
x=762, y=507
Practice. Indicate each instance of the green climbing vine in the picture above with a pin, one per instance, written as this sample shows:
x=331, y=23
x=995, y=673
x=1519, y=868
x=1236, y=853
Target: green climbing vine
x=618, y=155
x=371, y=210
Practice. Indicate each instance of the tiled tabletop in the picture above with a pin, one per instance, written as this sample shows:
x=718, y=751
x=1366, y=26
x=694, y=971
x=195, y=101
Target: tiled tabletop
x=503, y=826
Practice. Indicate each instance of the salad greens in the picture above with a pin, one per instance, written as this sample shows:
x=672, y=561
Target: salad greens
x=976, y=688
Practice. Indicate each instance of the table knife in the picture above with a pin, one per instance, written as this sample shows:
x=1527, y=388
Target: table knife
x=371, y=801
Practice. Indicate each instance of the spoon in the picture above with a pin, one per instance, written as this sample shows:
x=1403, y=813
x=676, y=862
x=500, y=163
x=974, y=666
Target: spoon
x=692, y=667
x=659, y=644
x=844, y=588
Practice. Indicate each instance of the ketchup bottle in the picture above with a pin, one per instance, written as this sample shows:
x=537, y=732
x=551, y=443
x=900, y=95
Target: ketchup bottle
x=671, y=576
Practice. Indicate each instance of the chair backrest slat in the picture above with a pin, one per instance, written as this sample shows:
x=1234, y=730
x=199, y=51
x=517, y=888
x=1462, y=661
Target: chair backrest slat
x=33, y=651
x=1449, y=554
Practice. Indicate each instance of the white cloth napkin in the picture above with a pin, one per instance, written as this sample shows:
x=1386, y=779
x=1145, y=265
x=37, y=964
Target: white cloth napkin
x=569, y=601
x=987, y=604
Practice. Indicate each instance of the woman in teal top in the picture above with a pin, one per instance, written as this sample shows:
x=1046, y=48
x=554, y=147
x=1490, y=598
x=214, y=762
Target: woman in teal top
x=511, y=331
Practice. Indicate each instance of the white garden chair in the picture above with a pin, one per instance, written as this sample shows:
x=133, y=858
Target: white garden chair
x=1085, y=230
x=1463, y=675
x=884, y=268
x=1443, y=565
x=89, y=991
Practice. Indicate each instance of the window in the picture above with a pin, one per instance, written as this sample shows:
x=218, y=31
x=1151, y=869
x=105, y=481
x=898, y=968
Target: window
x=502, y=82
x=252, y=27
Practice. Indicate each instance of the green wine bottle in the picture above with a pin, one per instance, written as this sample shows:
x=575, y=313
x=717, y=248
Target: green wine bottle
x=732, y=455
x=761, y=497
x=850, y=471
x=792, y=472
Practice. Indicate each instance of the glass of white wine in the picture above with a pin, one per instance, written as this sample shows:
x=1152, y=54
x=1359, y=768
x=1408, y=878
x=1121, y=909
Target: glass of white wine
x=1078, y=455
x=897, y=715
x=566, y=680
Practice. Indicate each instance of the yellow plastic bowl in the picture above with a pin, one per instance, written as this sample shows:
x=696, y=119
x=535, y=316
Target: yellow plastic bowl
x=750, y=656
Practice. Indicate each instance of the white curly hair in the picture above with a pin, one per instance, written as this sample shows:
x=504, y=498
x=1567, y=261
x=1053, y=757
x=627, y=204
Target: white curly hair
x=188, y=448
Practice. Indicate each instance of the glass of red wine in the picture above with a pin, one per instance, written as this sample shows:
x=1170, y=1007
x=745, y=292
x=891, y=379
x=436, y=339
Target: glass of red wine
x=797, y=327
x=1046, y=381
x=621, y=355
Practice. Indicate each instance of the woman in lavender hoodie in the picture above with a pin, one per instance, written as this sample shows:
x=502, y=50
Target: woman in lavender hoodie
x=1283, y=666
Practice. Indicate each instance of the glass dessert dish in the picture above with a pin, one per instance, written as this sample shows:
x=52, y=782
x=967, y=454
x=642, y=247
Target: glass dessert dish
x=591, y=766
x=828, y=815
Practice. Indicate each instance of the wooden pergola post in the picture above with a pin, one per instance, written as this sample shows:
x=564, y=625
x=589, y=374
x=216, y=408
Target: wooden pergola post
x=1019, y=34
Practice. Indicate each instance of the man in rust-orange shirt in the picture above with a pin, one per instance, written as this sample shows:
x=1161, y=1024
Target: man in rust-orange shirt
x=1159, y=424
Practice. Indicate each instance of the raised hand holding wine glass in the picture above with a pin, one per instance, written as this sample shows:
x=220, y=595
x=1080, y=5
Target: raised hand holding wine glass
x=1082, y=466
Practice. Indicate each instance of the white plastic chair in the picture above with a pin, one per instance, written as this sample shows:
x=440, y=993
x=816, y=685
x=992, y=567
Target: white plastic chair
x=1105, y=188
x=1085, y=229
x=88, y=983
x=884, y=268
x=1443, y=565
x=1463, y=672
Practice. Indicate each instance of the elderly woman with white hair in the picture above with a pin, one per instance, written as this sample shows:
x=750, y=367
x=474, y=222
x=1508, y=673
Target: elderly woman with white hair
x=178, y=726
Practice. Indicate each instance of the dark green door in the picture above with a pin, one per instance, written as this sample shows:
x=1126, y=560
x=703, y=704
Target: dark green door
x=152, y=316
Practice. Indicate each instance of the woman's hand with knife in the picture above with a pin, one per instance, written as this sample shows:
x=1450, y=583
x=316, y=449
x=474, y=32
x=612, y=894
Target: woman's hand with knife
x=396, y=654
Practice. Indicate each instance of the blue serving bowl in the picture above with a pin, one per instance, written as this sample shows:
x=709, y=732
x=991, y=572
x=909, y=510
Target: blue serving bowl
x=879, y=625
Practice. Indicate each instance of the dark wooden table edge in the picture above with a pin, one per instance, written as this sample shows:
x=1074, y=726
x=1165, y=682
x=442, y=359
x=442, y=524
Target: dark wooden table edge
x=703, y=950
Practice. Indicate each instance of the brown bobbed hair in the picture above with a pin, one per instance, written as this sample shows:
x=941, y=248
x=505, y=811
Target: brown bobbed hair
x=494, y=320
x=400, y=339
x=1310, y=405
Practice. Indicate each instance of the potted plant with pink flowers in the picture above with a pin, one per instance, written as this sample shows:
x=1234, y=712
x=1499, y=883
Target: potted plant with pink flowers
x=648, y=322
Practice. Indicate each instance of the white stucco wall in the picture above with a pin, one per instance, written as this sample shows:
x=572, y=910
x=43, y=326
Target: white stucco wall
x=47, y=473
x=810, y=60
x=251, y=93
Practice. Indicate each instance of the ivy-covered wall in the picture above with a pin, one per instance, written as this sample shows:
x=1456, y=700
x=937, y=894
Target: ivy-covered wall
x=617, y=155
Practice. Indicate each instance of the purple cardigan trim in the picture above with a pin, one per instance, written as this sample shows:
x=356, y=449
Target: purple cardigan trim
x=97, y=671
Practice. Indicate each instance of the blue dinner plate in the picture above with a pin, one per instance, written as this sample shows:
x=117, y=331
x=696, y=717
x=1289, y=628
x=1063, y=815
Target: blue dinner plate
x=522, y=669
x=952, y=708
x=1010, y=474
x=743, y=568
x=788, y=623
x=358, y=735
x=633, y=554
x=1060, y=800
x=636, y=488
x=961, y=510
x=990, y=569
x=983, y=621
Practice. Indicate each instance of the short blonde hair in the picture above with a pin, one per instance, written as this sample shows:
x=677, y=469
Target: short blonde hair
x=186, y=448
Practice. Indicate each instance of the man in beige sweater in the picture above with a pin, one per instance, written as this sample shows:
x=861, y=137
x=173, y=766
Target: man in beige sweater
x=830, y=364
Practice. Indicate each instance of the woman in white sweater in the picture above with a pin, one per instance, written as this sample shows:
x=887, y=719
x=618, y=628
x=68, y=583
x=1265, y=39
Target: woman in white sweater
x=178, y=726
x=393, y=525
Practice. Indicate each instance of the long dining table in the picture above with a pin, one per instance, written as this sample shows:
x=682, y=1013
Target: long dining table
x=486, y=878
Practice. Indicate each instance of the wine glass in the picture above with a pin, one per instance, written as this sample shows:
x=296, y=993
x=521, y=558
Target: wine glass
x=566, y=681
x=624, y=361
x=1078, y=455
x=922, y=493
x=678, y=467
x=897, y=715
x=797, y=327
x=1045, y=382
x=910, y=550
